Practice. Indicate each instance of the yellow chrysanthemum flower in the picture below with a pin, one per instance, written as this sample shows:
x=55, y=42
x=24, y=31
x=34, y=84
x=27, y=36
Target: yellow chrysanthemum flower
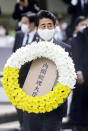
x=22, y=101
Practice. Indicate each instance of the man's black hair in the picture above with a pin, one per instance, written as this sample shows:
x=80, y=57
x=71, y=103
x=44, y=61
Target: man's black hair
x=79, y=19
x=45, y=14
x=31, y=17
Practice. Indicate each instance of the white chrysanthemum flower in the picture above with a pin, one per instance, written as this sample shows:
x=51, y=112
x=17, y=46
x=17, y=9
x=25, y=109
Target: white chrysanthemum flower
x=57, y=54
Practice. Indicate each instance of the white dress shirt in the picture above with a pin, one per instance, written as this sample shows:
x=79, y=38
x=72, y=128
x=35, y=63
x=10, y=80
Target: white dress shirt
x=31, y=36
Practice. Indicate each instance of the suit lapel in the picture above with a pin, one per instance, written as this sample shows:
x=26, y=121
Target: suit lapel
x=36, y=38
x=21, y=39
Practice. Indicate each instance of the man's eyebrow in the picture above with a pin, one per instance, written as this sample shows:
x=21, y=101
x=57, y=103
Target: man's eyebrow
x=42, y=24
x=49, y=23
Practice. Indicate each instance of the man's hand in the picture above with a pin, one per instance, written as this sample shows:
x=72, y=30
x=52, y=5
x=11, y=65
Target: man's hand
x=80, y=79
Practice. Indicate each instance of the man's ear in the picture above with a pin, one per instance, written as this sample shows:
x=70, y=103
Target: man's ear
x=32, y=24
x=54, y=26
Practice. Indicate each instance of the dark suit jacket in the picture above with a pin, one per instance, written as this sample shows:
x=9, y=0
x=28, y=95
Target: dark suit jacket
x=66, y=46
x=57, y=114
x=19, y=40
x=80, y=52
x=77, y=10
x=18, y=12
x=61, y=111
x=79, y=105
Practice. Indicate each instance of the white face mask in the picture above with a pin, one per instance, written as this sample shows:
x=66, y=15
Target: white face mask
x=2, y=32
x=64, y=26
x=57, y=29
x=82, y=28
x=24, y=28
x=46, y=34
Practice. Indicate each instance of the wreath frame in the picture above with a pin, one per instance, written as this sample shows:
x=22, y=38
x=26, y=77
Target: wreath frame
x=50, y=101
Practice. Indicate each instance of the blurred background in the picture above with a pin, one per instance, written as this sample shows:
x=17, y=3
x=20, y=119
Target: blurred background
x=11, y=12
x=58, y=7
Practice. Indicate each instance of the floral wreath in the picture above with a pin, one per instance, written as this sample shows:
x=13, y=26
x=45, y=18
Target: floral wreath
x=50, y=101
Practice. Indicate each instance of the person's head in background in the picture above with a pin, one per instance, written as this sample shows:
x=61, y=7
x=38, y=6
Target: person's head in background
x=80, y=25
x=46, y=24
x=58, y=24
x=28, y=23
x=61, y=22
x=58, y=31
x=3, y=31
x=86, y=20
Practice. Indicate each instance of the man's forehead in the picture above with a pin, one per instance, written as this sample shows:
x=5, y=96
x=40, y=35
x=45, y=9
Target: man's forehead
x=83, y=22
x=45, y=21
x=24, y=18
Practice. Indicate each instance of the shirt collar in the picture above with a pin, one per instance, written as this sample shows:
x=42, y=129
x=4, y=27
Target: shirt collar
x=33, y=32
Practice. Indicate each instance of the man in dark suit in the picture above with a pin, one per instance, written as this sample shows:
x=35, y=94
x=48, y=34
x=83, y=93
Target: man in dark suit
x=25, y=36
x=79, y=105
x=76, y=8
x=48, y=121
x=25, y=6
x=80, y=25
x=28, y=32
